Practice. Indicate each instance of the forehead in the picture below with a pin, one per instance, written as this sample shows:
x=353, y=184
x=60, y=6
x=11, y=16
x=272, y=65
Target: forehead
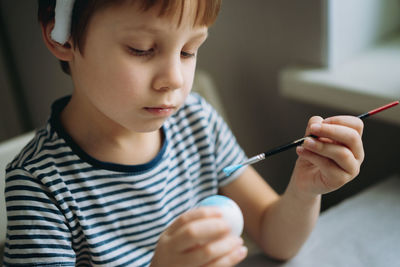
x=195, y=12
x=129, y=22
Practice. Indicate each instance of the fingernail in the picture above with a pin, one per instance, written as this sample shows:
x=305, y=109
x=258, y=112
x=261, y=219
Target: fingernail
x=315, y=127
x=309, y=142
x=242, y=251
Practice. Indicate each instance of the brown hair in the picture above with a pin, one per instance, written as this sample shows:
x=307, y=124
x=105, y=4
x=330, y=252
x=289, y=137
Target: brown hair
x=84, y=9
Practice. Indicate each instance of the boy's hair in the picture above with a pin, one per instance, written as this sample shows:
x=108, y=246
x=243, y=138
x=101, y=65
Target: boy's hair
x=84, y=9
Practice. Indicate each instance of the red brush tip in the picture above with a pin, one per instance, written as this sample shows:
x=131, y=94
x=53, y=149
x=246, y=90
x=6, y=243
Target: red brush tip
x=394, y=103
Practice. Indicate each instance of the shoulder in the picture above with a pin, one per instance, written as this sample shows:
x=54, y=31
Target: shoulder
x=197, y=108
x=39, y=147
x=196, y=100
x=196, y=115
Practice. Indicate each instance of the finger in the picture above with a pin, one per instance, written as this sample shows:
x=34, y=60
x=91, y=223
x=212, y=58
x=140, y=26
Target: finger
x=342, y=135
x=212, y=251
x=230, y=259
x=311, y=121
x=192, y=215
x=327, y=167
x=199, y=232
x=349, y=121
x=341, y=155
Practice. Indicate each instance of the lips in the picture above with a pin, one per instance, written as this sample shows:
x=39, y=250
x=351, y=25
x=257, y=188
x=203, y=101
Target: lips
x=162, y=110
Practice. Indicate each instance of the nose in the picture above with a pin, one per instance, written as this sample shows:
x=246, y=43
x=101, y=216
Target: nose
x=169, y=75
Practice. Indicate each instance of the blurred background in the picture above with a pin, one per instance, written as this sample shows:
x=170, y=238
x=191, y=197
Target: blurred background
x=250, y=46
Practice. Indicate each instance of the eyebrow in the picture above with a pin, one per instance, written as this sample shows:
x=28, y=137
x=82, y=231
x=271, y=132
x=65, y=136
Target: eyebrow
x=153, y=30
x=201, y=35
x=142, y=28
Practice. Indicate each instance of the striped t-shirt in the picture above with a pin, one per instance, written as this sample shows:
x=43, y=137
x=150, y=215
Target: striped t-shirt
x=65, y=208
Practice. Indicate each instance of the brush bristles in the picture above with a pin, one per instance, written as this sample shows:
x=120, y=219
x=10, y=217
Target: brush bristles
x=230, y=169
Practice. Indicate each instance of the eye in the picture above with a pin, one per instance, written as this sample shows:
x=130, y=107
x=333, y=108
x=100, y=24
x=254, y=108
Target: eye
x=140, y=53
x=188, y=54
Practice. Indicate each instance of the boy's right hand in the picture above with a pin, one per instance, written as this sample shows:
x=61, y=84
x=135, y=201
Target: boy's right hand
x=199, y=237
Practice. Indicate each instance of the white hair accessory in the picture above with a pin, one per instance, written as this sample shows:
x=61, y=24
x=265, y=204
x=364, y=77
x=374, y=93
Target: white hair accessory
x=62, y=24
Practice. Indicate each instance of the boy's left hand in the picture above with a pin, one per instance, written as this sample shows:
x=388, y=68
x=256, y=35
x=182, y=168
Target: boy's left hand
x=333, y=159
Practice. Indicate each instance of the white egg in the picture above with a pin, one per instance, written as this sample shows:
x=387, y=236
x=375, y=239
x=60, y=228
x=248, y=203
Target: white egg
x=229, y=209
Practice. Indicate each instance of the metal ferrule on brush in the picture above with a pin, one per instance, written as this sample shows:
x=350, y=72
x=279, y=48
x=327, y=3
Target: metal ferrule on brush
x=254, y=159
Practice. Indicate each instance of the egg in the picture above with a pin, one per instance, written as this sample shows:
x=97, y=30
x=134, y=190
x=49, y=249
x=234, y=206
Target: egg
x=231, y=212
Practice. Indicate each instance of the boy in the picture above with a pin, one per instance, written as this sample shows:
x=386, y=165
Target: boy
x=114, y=176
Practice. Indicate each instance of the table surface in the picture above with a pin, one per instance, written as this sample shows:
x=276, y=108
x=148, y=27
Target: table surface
x=363, y=230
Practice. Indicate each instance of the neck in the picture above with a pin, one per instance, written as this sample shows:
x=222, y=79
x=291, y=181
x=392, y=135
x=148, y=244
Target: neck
x=107, y=141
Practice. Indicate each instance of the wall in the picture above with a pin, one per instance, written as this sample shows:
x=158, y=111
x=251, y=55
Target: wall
x=39, y=75
x=9, y=120
x=247, y=47
x=10, y=123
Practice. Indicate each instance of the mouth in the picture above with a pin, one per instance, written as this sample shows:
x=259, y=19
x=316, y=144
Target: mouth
x=163, y=110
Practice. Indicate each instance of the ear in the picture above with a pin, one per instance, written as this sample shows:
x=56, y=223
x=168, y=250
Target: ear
x=63, y=52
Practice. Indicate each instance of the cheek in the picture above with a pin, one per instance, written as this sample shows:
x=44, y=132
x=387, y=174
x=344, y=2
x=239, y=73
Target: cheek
x=189, y=73
x=118, y=79
x=121, y=89
x=113, y=89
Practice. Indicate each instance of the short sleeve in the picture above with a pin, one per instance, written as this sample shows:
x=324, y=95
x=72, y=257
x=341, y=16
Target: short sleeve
x=227, y=151
x=37, y=232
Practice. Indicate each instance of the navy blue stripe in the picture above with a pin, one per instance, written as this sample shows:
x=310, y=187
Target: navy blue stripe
x=113, y=176
x=39, y=237
x=33, y=218
x=28, y=198
x=29, y=148
x=35, y=246
x=38, y=255
x=189, y=126
x=119, y=200
x=48, y=156
x=25, y=188
x=11, y=178
x=110, y=184
x=39, y=139
x=117, y=192
x=61, y=264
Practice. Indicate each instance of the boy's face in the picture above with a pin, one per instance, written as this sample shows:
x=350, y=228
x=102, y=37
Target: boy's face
x=136, y=68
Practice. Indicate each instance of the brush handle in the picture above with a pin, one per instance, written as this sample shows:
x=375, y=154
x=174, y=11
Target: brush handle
x=287, y=146
x=377, y=110
x=301, y=140
x=230, y=169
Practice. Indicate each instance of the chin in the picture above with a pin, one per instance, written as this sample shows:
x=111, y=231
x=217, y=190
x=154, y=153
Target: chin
x=151, y=127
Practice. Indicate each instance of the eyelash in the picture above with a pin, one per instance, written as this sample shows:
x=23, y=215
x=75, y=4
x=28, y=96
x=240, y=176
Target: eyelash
x=140, y=53
x=149, y=52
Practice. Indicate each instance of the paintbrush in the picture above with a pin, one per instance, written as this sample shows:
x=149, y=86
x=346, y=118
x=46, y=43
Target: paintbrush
x=230, y=169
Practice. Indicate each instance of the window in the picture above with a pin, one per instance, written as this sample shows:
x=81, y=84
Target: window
x=362, y=59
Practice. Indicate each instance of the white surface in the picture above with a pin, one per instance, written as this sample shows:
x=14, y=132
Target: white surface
x=356, y=25
x=8, y=150
x=362, y=231
x=358, y=86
